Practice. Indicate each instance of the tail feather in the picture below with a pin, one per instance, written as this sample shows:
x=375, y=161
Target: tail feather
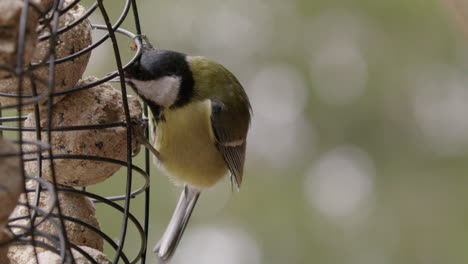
x=167, y=245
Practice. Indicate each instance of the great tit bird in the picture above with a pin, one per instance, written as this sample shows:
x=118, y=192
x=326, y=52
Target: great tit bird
x=200, y=118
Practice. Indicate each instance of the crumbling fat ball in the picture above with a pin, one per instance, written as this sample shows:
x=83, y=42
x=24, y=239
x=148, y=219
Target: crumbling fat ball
x=4, y=237
x=67, y=73
x=49, y=257
x=11, y=179
x=98, y=105
x=25, y=255
x=44, y=5
x=19, y=254
x=72, y=205
x=10, y=11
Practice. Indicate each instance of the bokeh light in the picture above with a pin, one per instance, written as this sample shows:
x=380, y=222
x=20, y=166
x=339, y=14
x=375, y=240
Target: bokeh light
x=213, y=245
x=340, y=184
x=279, y=95
x=440, y=107
x=337, y=66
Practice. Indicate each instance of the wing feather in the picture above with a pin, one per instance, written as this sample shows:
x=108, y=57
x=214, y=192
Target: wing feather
x=232, y=146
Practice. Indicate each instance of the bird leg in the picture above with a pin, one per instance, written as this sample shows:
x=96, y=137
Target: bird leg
x=138, y=128
x=145, y=42
x=167, y=245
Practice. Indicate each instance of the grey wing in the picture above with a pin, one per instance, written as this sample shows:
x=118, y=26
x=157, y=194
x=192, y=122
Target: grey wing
x=230, y=141
x=234, y=157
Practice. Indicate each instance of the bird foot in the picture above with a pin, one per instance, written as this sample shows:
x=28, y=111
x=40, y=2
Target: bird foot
x=139, y=127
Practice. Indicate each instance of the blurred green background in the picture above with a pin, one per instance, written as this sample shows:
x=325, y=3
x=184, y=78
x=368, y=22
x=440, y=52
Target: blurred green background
x=359, y=143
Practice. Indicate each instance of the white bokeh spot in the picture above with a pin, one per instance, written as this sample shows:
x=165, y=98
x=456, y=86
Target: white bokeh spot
x=278, y=93
x=214, y=245
x=337, y=66
x=340, y=184
x=280, y=132
x=440, y=103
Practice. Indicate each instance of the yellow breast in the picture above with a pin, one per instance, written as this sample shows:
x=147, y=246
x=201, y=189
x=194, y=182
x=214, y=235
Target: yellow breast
x=185, y=142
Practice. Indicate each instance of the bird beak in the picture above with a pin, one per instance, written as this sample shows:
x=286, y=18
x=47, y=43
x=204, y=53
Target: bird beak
x=117, y=77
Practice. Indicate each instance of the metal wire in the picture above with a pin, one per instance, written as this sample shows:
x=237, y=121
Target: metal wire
x=39, y=150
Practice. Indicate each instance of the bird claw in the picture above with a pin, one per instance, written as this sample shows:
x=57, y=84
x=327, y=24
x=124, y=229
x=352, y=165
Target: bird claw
x=138, y=126
x=146, y=44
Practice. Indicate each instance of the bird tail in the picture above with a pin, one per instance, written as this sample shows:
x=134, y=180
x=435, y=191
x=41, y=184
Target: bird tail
x=167, y=245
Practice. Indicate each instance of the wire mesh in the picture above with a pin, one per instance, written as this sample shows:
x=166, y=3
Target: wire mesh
x=30, y=234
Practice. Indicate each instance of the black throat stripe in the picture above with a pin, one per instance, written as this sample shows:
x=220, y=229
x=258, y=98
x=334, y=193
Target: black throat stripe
x=157, y=112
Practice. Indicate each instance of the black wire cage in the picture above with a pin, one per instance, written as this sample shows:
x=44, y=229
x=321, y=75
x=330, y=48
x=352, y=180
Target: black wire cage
x=39, y=149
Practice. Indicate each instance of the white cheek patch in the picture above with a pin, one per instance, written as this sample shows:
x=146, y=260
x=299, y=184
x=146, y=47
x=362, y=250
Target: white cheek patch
x=163, y=91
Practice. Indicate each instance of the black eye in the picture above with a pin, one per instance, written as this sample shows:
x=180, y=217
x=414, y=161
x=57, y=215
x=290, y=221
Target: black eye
x=138, y=72
x=132, y=69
